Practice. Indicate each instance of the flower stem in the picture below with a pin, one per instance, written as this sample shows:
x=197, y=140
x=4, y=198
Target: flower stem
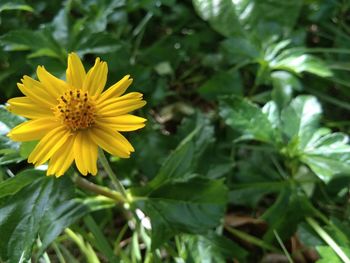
x=251, y=239
x=328, y=239
x=117, y=184
x=85, y=184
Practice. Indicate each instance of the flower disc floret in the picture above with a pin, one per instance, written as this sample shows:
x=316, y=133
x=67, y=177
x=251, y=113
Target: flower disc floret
x=75, y=109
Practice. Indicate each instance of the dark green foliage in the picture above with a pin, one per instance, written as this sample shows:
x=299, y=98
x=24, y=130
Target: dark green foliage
x=247, y=130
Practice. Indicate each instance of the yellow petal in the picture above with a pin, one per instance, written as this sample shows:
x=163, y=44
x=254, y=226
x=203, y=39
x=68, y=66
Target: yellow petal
x=36, y=92
x=126, y=122
x=111, y=141
x=53, y=85
x=62, y=159
x=116, y=90
x=33, y=129
x=85, y=152
x=121, y=105
x=26, y=107
x=96, y=78
x=129, y=96
x=75, y=71
x=48, y=145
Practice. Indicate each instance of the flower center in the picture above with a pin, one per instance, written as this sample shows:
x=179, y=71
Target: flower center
x=75, y=109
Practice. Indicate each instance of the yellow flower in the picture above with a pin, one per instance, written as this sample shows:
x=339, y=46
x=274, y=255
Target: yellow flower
x=72, y=119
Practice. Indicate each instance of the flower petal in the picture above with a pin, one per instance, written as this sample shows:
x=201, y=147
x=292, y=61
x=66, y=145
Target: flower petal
x=48, y=145
x=62, y=159
x=111, y=141
x=116, y=90
x=121, y=105
x=53, y=85
x=85, y=152
x=26, y=107
x=96, y=78
x=126, y=122
x=33, y=129
x=75, y=71
x=36, y=92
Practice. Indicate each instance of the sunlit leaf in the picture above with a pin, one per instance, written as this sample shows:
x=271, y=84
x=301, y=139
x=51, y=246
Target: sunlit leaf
x=301, y=119
x=248, y=118
x=37, y=206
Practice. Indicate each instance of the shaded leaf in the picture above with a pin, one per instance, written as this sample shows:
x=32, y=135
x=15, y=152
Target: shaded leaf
x=286, y=213
x=213, y=248
x=181, y=163
x=222, y=83
x=200, y=202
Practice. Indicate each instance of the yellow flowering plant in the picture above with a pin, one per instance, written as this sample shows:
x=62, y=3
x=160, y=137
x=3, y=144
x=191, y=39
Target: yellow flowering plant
x=73, y=118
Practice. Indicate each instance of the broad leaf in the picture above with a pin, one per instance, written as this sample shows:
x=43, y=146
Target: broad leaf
x=300, y=119
x=328, y=155
x=234, y=18
x=41, y=209
x=181, y=163
x=283, y=84
x=192, y=207
x=286, y=213
x=212, y=248
x=248, y=118
x=328, y=255
x=221, y=15
x=13, y=185
x=222, y=83
x=297, y=62
x=8, y=148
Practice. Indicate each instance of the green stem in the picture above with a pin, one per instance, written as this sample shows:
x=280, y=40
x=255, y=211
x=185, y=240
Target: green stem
x=328, y=239
x=117, y=184
x=100, y=190
x=58, y=252
x=283, y=247
x=86, y=249
x=251, y=239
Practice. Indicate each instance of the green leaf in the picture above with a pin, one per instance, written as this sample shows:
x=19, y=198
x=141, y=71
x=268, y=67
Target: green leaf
x=286, y=213
x=40, y=43
x=234, y=18
x=180, y=164
x=13, y=185
x=222, y=83
x=327, y=254
x=192, y=207
x=15, y=5
x=238, y=49
x=283, y=84
x=270, y=109
x=248, y=118
x=8, y=120
x=212, y=248
x=300, y=119
x=221, y=15
x=8, y=148
x=42, y=209
x=297, y=62
x=328, y=155
x=99, y=240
